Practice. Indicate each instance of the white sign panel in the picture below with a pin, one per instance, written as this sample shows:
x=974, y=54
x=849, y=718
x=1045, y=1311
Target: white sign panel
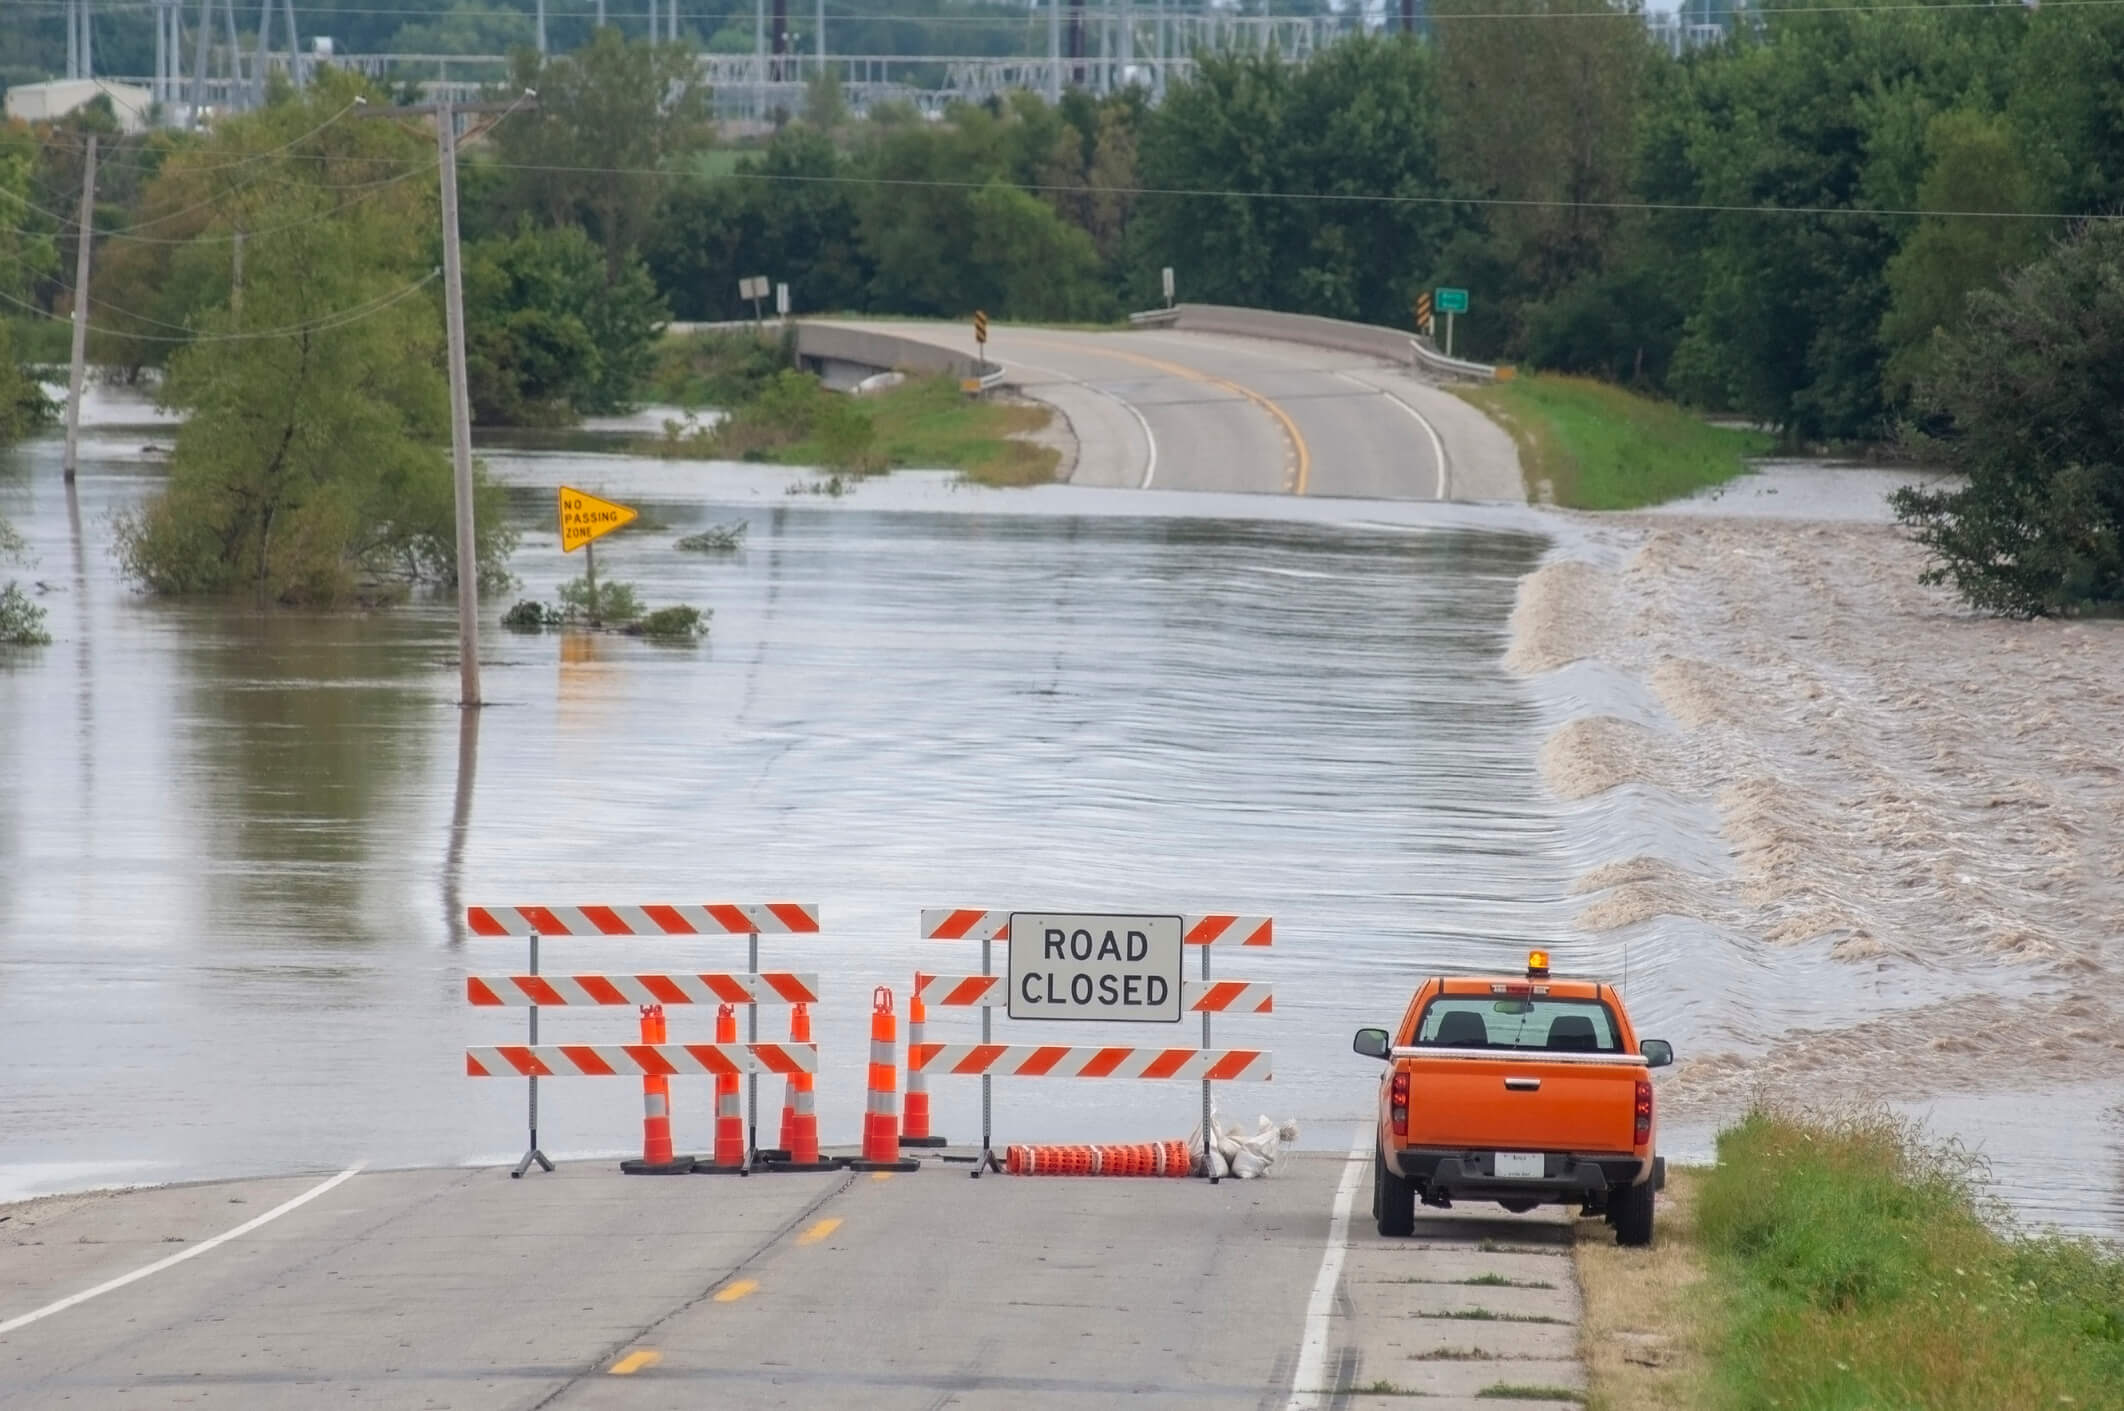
x=1166, y=278
x=781, y=300
x=1121, y=968
x=753, y=287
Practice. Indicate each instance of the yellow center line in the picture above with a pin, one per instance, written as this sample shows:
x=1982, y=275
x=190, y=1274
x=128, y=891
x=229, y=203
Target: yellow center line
x=819, y=1231
x=634, y=1362
x=733, y=1292
x=881, y=1175
x=1302, y=454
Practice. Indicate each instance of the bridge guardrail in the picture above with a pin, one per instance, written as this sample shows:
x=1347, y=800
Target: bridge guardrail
x=1389, y=344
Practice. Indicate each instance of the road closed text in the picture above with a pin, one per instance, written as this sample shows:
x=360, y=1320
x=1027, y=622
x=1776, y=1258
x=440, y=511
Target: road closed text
x=1115, y=968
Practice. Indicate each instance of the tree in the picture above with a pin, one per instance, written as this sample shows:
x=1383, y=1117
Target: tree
x=310, y=465
x=2031, y=388
x=611, y=117
x=546, y=340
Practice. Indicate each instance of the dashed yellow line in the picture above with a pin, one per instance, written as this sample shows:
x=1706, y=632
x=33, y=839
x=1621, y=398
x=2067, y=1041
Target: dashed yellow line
x=736, y=1291
x=634, y=1362
x=881, y=1175
x=1300, y=465
x=819, y=1231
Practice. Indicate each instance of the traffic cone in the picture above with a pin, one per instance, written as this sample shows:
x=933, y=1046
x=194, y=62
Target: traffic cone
x=881, y=1119
x=657, y=1159
x=729, y=1111
x=800, y=1123
x=915, y=1130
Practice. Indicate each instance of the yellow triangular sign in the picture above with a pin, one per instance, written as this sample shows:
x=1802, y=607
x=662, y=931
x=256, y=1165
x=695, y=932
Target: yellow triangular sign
x=586, y=517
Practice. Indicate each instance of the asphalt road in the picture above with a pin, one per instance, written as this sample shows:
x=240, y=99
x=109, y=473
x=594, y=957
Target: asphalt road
x=584, y=1288
x=1193, y=411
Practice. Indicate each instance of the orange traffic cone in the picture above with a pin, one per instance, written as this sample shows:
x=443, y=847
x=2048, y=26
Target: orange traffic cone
x=800, y=1123
x=881, y=1119
x=729, y=1111
x=915, y=1130
x=657, y=1159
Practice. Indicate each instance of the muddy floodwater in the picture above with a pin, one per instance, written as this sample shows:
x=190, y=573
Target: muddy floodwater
x=234, y=844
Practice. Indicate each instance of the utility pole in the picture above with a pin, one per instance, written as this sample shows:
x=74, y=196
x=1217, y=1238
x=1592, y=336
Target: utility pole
x=236, y=276
x=84, y=236
x=445, y=114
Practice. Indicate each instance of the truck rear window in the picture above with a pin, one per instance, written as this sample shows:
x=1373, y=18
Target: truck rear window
x=1546, y=1025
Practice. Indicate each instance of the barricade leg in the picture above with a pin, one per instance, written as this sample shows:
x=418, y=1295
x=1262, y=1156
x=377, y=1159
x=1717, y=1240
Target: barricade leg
x=657, y=1159
x=915, y=1130
x=729, y=1109
x=881, y=1119
x=800, y=1122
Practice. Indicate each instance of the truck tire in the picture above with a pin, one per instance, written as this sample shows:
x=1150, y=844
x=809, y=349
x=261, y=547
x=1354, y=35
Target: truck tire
x=1393, y=1200
x=1630, y=1212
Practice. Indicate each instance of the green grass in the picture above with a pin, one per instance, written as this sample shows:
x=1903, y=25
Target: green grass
x=1597, y=447
x=1499, y=1281
x=1860, y=1271
x=1519, y=1391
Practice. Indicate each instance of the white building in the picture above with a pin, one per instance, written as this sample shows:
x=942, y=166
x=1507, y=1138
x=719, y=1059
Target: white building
x=42, y=102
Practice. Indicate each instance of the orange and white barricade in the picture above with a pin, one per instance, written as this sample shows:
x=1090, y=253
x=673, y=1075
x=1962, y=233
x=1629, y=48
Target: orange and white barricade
x=653, y=1059
x=989, y=991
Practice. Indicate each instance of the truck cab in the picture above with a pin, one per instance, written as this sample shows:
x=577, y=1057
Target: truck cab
x=1525, y=1089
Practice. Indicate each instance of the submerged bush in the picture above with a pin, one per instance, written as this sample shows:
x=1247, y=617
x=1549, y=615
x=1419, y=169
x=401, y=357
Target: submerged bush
x=21, y=621
x=679, y=623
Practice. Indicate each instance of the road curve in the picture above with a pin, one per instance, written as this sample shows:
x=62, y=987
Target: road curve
x=1175, y=410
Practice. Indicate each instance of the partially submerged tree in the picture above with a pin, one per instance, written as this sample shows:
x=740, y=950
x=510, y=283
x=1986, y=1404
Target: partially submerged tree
x=312, y=464
x=2031, y=389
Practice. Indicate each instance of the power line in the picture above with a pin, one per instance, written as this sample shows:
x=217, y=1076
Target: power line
x=340, y=319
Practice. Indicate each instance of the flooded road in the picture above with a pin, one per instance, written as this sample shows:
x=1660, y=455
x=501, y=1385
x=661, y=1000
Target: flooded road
x=233, y=844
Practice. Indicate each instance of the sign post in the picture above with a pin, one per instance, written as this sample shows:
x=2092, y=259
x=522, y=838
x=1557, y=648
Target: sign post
x=1165, y=278
x=584, y=519
x=1451, y=302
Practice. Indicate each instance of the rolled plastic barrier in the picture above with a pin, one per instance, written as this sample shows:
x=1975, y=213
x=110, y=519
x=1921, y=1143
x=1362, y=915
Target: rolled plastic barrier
x=1156, y=1159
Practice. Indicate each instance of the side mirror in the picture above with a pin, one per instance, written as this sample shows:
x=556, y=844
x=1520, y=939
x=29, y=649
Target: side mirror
x=1658, y=1052
x=1373, y=1043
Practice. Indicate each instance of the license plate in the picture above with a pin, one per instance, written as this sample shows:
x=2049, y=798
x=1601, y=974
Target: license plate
x=1520, y=1165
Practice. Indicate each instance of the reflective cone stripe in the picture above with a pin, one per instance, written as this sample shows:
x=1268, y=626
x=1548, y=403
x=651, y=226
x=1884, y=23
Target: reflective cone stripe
x=729, y=1112
x=1058, y=1061
x=881, y=1116
x=917, y=1123
x=704, y=919
x=623, y=1060
x=656, y=1097
x=990, y=991
x=989, y=924
x=768, y=987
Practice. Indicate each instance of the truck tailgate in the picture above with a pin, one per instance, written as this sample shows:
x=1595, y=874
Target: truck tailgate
x=1521, y=1104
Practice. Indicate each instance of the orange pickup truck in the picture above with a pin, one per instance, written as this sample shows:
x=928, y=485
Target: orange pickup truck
x=1525, y=1090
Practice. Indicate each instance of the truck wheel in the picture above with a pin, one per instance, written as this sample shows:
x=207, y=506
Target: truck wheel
x=1393, y=1200
x=1630, y=1212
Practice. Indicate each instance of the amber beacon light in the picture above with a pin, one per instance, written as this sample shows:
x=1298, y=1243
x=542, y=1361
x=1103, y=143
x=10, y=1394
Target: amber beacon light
x=1537, y=965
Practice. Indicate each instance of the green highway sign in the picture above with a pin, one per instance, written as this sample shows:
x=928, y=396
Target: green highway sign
x=1452, y=301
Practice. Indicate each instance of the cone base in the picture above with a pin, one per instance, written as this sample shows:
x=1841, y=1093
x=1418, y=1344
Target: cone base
x=705, y=1167
x=905, y=1163
x=771, y=1153
x=923, y=1141
x=676, y=1166
x=827, y=1165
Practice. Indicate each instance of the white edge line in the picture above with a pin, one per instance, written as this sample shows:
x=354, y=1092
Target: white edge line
x=178, y=1258
x=1150, y=442
x=1307, y=1393
x=1437, y=445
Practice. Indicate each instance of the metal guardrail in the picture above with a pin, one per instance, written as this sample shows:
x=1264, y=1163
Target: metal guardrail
x=1369, y=339
x=1429, y=357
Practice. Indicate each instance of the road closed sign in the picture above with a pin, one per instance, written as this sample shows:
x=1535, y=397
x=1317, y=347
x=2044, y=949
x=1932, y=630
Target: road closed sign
x=1123, y=968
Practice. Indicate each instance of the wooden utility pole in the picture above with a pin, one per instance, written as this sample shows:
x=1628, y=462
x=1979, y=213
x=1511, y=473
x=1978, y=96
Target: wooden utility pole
x=445, y=115
x=84, y=236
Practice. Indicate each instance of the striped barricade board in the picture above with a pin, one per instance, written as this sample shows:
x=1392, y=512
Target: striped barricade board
x=1196, y=996
x=637, y=1060
x=772, y=987
x=773, y=918
x=1068, y=1061
x=946, y=923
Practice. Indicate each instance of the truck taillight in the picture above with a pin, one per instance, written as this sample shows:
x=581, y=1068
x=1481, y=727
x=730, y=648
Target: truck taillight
x=1400, y=1104
x=1644, y=1110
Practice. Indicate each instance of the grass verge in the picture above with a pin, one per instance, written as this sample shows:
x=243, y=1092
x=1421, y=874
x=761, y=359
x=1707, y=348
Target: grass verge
x=1593, y=446
x=1841, y=1263
x=924, y=422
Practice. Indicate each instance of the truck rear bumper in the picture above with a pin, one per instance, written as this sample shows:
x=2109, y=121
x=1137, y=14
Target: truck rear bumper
x=1566, y=1179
